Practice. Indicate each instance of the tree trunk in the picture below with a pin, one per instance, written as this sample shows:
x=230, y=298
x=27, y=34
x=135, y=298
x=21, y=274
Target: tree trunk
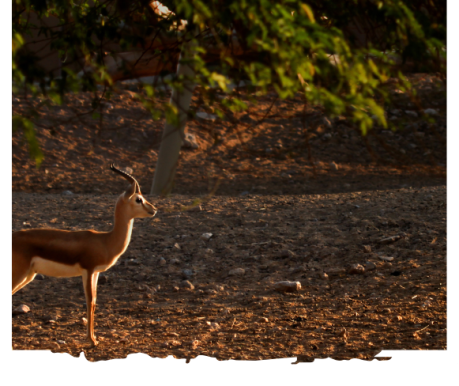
x=173, y=135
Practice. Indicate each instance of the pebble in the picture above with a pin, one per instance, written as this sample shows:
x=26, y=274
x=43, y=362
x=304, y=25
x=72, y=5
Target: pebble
x=323, y=276
x=285, y=253
x=187, y=272
x=177, y=247
x=326, y=122
x=370, y=266
x=61, y=341
x=206, y=236
x=367, y=248
x=67, y=193
x=237, y=272
x=205, y=116
x=22, y=309
x=190, y=142
x=84, y=321
x=334, y=165
x=430, y=112
x=187, y=285
x=39, y=277
x=356, y=269
x=263, y=320
x=162, y=261
x=326, y=137
x=287, y=286
x=413, y=114
x=386, y=258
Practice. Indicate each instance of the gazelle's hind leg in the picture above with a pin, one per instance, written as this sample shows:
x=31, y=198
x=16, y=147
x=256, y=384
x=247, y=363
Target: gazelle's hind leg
x=23, y=273
x=90, y=290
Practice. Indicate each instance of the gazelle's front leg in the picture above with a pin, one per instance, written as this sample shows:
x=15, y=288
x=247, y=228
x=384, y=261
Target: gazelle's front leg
x=90, y=290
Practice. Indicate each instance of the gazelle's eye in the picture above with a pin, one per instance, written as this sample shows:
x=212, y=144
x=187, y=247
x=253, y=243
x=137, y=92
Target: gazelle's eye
x=138, y=200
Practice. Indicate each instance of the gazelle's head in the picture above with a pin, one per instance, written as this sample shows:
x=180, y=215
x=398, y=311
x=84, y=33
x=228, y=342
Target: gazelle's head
x=132, y=199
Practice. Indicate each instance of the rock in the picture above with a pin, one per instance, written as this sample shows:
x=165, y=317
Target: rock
x=162, y=261
x=413, y=114
x=367, y=248
x=287, y=286
x=39, y=277
x=263, y=320
x=338, y=271
x=83, y=321
x=205, y=116
x=206, y=236
x=61, y=342
x=388, y=240
x=190, y=142
x=395, y=112
x=431, y=112
x=326, y=137
x=370, y=266
x=22, y=309
x=187, y=285
x=176, y=247
x=356, y=269
x=323, y=276
x=334, y=166
x=386, y=258
x=326, y=123
x=187, y=272
x=237, y=272
x=67, y=193
x=285, y=253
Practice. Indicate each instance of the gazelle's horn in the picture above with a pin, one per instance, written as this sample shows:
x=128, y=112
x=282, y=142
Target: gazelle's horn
x=128, y=177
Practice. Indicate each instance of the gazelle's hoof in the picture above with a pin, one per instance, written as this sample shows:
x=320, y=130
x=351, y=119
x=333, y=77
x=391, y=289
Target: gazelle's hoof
x=94, y=342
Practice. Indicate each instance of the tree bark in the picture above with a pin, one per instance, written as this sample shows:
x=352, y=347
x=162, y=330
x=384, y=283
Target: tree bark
x=173, y=135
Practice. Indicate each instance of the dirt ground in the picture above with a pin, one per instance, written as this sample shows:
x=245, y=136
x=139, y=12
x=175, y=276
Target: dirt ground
x=287, y=194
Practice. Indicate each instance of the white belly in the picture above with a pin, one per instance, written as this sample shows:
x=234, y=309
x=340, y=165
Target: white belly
x=51, y=268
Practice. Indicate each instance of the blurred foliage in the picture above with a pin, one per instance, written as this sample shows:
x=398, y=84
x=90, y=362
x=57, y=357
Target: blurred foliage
x=337, y=54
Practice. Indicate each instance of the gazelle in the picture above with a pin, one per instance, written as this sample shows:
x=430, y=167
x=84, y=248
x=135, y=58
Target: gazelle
x=61, y=253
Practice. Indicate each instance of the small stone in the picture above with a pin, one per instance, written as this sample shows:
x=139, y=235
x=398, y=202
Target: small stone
x=237, y=272
x=323, y=276
x=39, y=277
x=356, y=269
x=395, y=112
x=334, y=166
x=22, y=309
x=430, y=112
x=61, y=342
x=67, y=193
x=206, y=236
x=190, y=142
x=326, y=137
x=263, y=320
x=367, y=248
x=391, y=239
x=370, y=266
x=386, y=258
x=287, y=286
x=205, y=116
x=84, y=321
x=285, y=253
x=413, y=114
x=187, y=285
x=176, y=247
x=187, y=272
x=162, y=261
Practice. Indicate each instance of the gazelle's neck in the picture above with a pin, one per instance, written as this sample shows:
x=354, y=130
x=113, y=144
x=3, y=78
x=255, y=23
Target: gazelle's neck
x=120, y=236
